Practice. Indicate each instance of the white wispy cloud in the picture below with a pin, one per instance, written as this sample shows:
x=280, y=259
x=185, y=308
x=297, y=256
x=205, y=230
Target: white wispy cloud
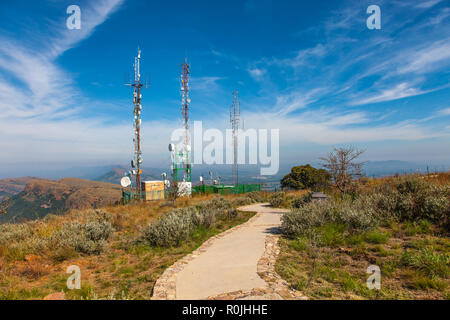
x=333, y=128
x=206, y=84
x=296, y=100
x=427, y=59
x=402, y=90
x=303, y=57
x=257, y=73
x=445, y=112
x=427, y=4
x=40, y=107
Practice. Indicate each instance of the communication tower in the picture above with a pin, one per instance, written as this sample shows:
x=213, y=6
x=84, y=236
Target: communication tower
x=137, y=121
x=235, y=114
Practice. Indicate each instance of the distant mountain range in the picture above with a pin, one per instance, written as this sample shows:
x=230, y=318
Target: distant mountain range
x=391, y=167
x=30, y=197
x=115, y=174
x=42, y=197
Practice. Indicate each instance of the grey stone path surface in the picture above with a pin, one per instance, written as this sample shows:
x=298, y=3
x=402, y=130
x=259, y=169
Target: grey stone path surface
x=230, y=263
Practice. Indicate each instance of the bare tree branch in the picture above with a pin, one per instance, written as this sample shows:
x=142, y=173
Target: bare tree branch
x=342, y=166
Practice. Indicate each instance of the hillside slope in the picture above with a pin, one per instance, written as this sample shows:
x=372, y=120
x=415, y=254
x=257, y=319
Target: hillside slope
x=11, y=186
x=42, y=197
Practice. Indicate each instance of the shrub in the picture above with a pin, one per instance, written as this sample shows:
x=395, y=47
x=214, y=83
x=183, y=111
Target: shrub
x=88, y=237
x=242, y=201
x=278, y=199
x=174, y=227
x=408, y=199
x=14, y=232
x=179, y=224
x=257, y=196
x=301, y=221
x=219, y=203
x=408, y=184
x=301, y=201
x=356, y=218
x=381, y=206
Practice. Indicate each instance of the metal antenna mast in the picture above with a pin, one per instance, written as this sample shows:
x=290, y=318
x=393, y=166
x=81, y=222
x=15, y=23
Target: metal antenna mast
x=185, y=102
x=235, y=113
x=137, y=96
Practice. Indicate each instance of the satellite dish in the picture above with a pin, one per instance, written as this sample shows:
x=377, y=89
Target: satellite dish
x=201, y=178
x=125, y=182
x=188, y=148
x=171, y=147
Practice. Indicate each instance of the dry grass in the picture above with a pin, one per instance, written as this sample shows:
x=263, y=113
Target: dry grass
x=125, y=269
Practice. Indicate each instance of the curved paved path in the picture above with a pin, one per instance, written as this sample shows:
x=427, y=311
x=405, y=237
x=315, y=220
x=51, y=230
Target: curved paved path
x=230, y=263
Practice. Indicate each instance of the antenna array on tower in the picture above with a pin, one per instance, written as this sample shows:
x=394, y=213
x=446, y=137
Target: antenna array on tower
x=137, y=96
x=235, y=114
x=182, y=158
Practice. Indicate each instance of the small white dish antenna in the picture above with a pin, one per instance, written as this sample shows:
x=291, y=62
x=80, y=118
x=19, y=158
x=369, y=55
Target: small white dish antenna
x=125, y=182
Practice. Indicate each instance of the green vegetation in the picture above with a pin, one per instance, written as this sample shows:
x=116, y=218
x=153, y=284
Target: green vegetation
x=282, y=199
x=306, y=177
x=400, y=224
x=178, y=225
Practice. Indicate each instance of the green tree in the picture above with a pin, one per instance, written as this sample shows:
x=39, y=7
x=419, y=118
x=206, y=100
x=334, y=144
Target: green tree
x=306, y=177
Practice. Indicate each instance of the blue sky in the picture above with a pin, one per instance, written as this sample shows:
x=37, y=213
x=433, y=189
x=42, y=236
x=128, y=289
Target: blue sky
x=310, y=68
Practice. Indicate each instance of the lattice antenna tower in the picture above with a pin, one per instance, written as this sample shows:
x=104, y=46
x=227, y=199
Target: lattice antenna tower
x=137, y=121
x=185, y=103
x=235, y=114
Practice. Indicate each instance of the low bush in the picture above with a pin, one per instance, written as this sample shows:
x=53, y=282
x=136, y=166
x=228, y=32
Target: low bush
x=278, y=199
x=174, y=227
x=300, y=201
x=89, y=237
x=178, y=225
x=257, y=196
x=303, y=220
x=242, y=201
x=14, y=232
x=357, y=219
x=412, y=199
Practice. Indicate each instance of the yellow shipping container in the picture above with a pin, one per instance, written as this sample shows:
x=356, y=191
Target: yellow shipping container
x=154, y=190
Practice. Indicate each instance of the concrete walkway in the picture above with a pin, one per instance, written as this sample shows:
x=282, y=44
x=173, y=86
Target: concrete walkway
x=230, y=263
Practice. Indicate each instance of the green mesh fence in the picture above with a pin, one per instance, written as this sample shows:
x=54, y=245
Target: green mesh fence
x=226, y=189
